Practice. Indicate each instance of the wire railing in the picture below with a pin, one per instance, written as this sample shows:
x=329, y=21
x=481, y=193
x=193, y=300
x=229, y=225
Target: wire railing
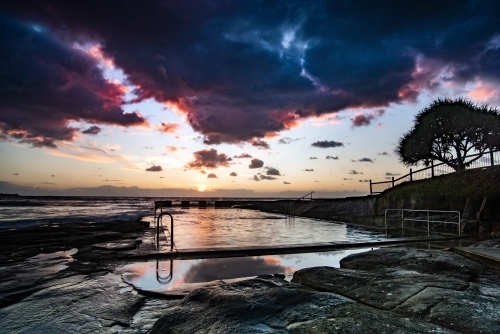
x=488, y=159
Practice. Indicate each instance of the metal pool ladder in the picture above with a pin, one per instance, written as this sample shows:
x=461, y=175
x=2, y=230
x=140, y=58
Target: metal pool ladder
x=171, y=230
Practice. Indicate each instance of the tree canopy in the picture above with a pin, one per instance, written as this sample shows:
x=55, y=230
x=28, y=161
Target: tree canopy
x=449, y=130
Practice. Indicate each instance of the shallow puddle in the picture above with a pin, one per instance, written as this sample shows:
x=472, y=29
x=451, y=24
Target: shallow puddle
x=168, y=275
x=47, y=263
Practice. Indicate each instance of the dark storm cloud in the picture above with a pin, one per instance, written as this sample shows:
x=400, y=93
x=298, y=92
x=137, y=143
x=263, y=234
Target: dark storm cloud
x=383, y=153
x=240, y=70
x=46, y=84
x=272, y=171
x=313, y=158
x=154, y=168
x=327, y=144
x=208, y=158
x=308, y=170
x=256, y=163
x=233, y=174
x=93, y=130
x=330, y=157
x=365, y=160
x=242, y=156
x=284, y=182
x=256, y=178
x=212, y=176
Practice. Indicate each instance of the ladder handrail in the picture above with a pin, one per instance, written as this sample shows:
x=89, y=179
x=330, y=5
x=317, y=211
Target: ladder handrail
x=289, y=205
x=171, y=230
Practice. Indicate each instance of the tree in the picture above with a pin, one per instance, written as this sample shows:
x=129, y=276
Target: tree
x=448, y=130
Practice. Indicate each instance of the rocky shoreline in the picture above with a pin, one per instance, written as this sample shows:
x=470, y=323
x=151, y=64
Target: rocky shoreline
x=66, y=278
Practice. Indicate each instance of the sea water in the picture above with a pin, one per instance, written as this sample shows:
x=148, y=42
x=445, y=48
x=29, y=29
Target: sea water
x=27, y=211
x=195, y=228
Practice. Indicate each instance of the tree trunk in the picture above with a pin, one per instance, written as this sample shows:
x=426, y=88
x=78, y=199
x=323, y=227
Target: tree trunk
x=460, y=163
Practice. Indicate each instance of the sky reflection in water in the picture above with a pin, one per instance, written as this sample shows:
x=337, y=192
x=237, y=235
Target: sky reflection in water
x=143, y=274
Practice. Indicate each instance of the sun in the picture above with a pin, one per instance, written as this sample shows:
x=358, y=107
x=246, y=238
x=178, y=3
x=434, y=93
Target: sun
x=201, y=188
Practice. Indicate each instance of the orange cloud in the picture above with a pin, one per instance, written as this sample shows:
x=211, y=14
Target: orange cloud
x=171, y=148
x=168, y=127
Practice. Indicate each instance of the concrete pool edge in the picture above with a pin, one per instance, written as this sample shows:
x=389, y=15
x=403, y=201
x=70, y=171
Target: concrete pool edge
x=201, y=253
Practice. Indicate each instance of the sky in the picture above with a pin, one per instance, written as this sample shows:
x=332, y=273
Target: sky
x=228, y=98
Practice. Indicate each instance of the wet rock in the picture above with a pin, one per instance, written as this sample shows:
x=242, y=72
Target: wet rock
x=271, y=305
x=93, y=305
x=382, y=291
x=440, y=287
x=448, y=264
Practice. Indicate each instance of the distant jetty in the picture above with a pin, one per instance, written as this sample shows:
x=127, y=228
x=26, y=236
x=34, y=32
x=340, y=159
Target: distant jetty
x=7, y=195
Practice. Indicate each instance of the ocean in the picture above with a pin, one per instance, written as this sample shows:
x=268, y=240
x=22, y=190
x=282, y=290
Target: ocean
x=194, y=227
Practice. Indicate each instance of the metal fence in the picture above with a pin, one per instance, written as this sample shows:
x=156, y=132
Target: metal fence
x=488, y=159
x=423, y=217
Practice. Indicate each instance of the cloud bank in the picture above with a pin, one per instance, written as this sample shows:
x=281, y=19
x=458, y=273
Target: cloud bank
x=238, y=71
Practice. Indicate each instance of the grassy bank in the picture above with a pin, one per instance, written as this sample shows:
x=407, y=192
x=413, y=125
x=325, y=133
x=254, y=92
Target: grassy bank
x=473, y=183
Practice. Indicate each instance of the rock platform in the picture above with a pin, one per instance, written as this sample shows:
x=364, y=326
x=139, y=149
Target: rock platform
x=393, y=290
x=65, y=279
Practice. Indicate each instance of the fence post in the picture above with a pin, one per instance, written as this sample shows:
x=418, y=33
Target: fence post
x=411, y=176
x=370, y=186
x=432, y=168
x=491, y=157
x=393, y=181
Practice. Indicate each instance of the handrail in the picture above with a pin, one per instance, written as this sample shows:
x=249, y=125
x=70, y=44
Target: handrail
x=161, y=205
x=431, y=167
x=171, y=231
x=403, y=218
x=288, y=206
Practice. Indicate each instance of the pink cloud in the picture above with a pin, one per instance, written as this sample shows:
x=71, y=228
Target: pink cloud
x=485, y=93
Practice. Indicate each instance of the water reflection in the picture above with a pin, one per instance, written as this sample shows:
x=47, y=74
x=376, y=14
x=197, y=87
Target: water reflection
x=168, y=275
x=160, y=275
x=240, y=228
x=226, y=268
